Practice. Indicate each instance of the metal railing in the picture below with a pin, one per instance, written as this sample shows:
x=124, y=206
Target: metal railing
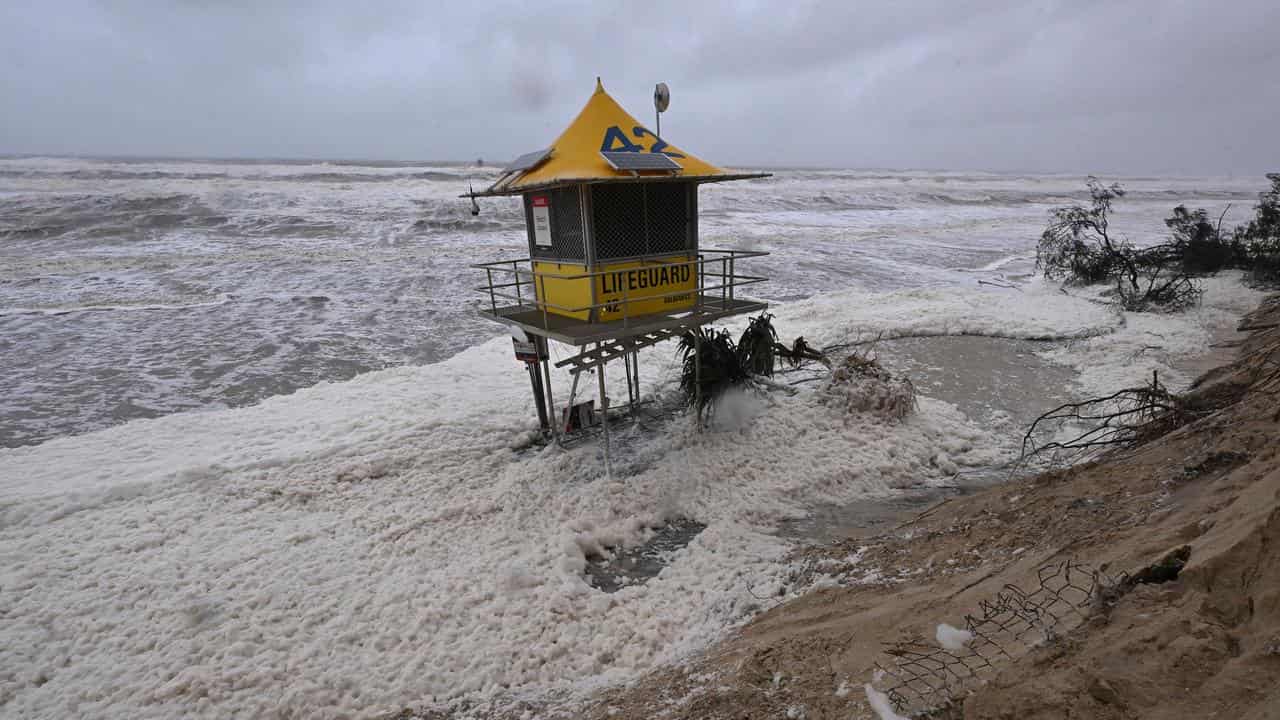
x=515, y=281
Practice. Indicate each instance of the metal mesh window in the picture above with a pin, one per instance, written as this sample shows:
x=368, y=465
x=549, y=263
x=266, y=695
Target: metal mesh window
x=666, y=205
x=640, y=219
x=566, y=226
x=617, y=214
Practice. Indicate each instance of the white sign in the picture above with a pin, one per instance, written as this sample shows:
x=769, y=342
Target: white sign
x=542, y=221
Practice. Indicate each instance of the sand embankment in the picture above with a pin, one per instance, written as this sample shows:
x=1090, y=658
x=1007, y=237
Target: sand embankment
x=1203, y=644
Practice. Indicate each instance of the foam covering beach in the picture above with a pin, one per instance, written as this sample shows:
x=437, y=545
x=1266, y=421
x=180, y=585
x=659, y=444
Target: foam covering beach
x=364, y=542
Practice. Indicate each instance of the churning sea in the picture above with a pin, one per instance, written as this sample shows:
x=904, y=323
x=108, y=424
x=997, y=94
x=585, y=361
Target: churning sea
x=260, y=458
x=137, y=288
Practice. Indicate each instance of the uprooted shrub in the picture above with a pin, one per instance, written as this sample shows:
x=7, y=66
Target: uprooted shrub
x=710, y=364
x=1259, y=240
x=1079, y=247
x=756, y=347
x=861, y=384
x=1159, y=290
x=1198, y=245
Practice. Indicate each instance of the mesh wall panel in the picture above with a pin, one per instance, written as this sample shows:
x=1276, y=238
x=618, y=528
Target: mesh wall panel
x=566, y=220
x=668, y=213
x=619, y=213
x=566, y=226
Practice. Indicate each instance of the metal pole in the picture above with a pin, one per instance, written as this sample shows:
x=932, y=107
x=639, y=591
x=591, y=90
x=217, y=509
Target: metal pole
x=541, y=299
x=635, y=358
x=631, y=395
x=536, y=381
x=493, y=305
x=724, y=281
x=573, y=395
x=551, y=402
x=604, y=418
x=697, y=373
x=731, y=276
x=700, y=265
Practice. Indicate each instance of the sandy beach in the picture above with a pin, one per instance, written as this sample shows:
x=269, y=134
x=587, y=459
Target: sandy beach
x=1205, y=643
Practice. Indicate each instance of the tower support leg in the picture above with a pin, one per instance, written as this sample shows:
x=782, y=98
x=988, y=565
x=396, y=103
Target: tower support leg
x=631, y=390
x=635, y=373
x=535, y=380
x=604, y=418
x=546, y=374
x=697, y=375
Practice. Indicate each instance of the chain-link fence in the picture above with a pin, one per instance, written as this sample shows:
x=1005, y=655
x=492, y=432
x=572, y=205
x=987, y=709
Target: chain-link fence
x=921, y=678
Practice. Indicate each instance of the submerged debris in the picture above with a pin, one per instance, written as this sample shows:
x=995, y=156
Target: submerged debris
x=623, y=567
x=1166, y=570
x=862, y=384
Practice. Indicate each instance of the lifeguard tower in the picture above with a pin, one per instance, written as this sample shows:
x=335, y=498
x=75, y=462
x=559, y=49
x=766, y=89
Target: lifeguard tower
x=614, y=262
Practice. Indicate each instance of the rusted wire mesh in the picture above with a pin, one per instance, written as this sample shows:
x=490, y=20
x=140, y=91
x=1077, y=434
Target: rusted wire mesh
x=921, y=677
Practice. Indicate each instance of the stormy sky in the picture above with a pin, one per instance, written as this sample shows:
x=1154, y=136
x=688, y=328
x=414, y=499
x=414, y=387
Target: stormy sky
x=1075, y=86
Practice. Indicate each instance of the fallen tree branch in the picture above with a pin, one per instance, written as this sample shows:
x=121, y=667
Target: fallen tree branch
x=1125, y=418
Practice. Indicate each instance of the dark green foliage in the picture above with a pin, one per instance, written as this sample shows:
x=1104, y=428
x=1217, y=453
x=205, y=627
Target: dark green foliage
x=1164, y=288
x=1200, y=247
x=756, y=347
x=1077, y=246
x=1198, y=244
x=1265, y=226
x=1259, y=241
x=710, y=365
x=723, y=365
x=1265, y=269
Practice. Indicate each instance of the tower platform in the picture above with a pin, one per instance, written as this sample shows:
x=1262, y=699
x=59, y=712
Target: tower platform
x=516, y=291
x=571, y=331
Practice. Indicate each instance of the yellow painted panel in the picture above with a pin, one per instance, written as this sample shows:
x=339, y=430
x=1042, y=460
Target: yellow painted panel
x=564, y=292
x=636, y=288
x=645, y=287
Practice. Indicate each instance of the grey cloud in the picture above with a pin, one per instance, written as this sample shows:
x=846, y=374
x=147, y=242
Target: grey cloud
x=1072, y=86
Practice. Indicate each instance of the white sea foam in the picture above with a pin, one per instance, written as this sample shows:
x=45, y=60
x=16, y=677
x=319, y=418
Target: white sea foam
x=1144, y=343
x=952, y=638
x=359, y=547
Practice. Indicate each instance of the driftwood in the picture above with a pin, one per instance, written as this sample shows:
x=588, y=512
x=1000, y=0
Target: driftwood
x=1123, y=419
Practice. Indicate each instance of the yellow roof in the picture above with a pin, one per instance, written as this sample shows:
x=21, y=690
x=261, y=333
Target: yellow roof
x=603, y=126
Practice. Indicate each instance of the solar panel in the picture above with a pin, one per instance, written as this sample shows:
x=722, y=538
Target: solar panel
x=528, y=160
x=639, y=161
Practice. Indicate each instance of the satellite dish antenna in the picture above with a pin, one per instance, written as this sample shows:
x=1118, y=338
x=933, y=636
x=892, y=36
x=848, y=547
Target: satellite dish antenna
x=661, y=99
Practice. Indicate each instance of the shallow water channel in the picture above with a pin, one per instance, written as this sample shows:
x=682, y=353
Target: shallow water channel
x=997, y=382
x=634, y=565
